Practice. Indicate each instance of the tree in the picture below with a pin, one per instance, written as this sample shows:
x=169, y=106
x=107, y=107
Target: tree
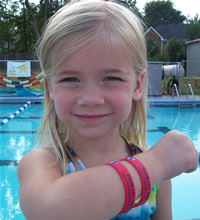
x=176, y=50
x=33, y=19
x=6, y=27
x=24, y=35
x=152, y=48
x=162, y=12
x=193, y=29
x=39, y=17
x=21, y=23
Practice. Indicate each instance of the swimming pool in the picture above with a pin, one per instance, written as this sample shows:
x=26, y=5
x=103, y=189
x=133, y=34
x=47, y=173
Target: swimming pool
x=17, y=138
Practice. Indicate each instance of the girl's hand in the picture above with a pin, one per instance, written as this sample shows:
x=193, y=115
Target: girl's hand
x=176, y=154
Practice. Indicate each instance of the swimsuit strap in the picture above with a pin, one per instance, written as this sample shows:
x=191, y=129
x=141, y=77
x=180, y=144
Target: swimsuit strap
x=79, y=164
x=134, y=149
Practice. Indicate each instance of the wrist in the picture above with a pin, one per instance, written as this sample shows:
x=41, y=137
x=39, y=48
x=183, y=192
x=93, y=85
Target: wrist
x=154, y=165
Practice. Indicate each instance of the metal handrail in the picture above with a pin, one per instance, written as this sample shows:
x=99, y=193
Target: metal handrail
x=177, y=93
x=189, y=86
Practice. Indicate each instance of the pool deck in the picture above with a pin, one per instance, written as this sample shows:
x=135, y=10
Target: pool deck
x=160, y=101
x=13, y=100
x=168, y=101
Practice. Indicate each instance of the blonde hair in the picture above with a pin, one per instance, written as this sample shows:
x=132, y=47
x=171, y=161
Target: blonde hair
x=81, y=24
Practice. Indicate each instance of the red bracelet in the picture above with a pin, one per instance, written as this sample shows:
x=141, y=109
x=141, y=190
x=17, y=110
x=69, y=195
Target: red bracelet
x=129, y=186
x=144, y=177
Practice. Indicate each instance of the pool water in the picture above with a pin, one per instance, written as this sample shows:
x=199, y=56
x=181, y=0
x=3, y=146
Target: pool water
x=186, y=187
x=17, y=138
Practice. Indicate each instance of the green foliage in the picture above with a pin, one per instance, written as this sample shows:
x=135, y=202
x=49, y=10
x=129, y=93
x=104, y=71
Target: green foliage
x=7, y=27
x=160, y=57
x=152, y=47
x=17, y=34
x=162, y=12
x=176, y=49
x=193, y=30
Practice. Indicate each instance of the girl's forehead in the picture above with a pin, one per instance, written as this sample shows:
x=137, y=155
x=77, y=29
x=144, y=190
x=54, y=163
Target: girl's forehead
x=62, y=52
x=98, y=51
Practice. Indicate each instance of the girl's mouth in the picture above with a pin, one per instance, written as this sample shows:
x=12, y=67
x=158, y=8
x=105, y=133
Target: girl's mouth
x=88, y=118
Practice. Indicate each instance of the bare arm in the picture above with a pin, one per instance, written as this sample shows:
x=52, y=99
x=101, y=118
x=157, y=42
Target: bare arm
x=46, y=194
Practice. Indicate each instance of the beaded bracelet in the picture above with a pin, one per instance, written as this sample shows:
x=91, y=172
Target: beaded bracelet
x=144, y=177
x=129, y=186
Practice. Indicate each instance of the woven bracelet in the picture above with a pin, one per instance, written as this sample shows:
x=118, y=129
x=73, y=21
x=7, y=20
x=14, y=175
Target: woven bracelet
x=128, y=183
x=144, y=177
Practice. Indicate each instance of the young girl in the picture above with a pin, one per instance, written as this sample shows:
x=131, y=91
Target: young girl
x=93, y=57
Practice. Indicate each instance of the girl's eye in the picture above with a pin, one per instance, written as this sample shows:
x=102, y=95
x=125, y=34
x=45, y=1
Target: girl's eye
x=70, y=79
x=112, y=78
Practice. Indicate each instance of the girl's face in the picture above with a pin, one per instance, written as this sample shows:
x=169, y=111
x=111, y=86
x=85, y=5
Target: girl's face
x=93, y=90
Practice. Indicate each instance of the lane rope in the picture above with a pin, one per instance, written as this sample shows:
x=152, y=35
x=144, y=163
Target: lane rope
x=25, y=106
x=21, y=84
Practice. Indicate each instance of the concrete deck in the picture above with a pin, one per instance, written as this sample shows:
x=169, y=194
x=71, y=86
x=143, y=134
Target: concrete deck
x=15, y=99
x=169, y=101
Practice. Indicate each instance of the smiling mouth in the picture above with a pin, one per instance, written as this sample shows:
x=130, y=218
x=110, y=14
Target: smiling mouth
x=91, y=118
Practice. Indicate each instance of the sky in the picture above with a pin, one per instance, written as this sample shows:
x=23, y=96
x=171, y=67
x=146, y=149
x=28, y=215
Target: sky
x=188, y=8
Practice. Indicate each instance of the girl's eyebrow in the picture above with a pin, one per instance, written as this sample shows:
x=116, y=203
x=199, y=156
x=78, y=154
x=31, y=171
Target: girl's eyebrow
x=64, y=72
x=107, y=71
x=116, y=71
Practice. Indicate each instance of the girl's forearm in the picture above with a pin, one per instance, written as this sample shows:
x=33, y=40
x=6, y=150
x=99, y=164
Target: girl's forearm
x=99, y=190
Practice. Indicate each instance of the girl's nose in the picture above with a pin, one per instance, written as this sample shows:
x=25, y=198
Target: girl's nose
x=91, y=96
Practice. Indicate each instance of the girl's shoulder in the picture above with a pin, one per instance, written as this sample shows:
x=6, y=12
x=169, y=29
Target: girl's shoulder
x=37, y=159
x=39, y=153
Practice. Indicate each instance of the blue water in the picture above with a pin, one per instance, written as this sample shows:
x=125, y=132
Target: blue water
x=186, y=187
x=17, y=138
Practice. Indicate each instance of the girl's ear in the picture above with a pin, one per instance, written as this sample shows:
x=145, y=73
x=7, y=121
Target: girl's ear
x=138, y=91
x=48, y=85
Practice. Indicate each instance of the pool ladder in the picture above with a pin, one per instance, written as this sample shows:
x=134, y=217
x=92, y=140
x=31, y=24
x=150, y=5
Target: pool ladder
x=194, y=101
x=177, y=93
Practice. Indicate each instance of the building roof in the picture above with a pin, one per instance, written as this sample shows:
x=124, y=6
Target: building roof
x=193, y=41
x=151, y=29
x=167, y=31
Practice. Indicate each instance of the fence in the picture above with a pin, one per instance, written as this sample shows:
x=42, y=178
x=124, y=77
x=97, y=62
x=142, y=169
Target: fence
x=19, y=56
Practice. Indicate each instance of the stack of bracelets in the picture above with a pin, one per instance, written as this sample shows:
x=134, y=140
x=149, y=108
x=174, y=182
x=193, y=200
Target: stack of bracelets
x=128, y=183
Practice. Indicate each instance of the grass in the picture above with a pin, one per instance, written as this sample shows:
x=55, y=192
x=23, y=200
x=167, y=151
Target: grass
x=183, y=85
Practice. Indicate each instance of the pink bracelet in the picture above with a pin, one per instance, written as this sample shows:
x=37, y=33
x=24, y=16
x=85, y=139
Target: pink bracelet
x=144, y=177
x=129, y=186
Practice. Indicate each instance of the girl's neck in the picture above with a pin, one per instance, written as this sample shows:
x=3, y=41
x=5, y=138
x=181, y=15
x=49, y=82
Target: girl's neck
x=95, y=152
